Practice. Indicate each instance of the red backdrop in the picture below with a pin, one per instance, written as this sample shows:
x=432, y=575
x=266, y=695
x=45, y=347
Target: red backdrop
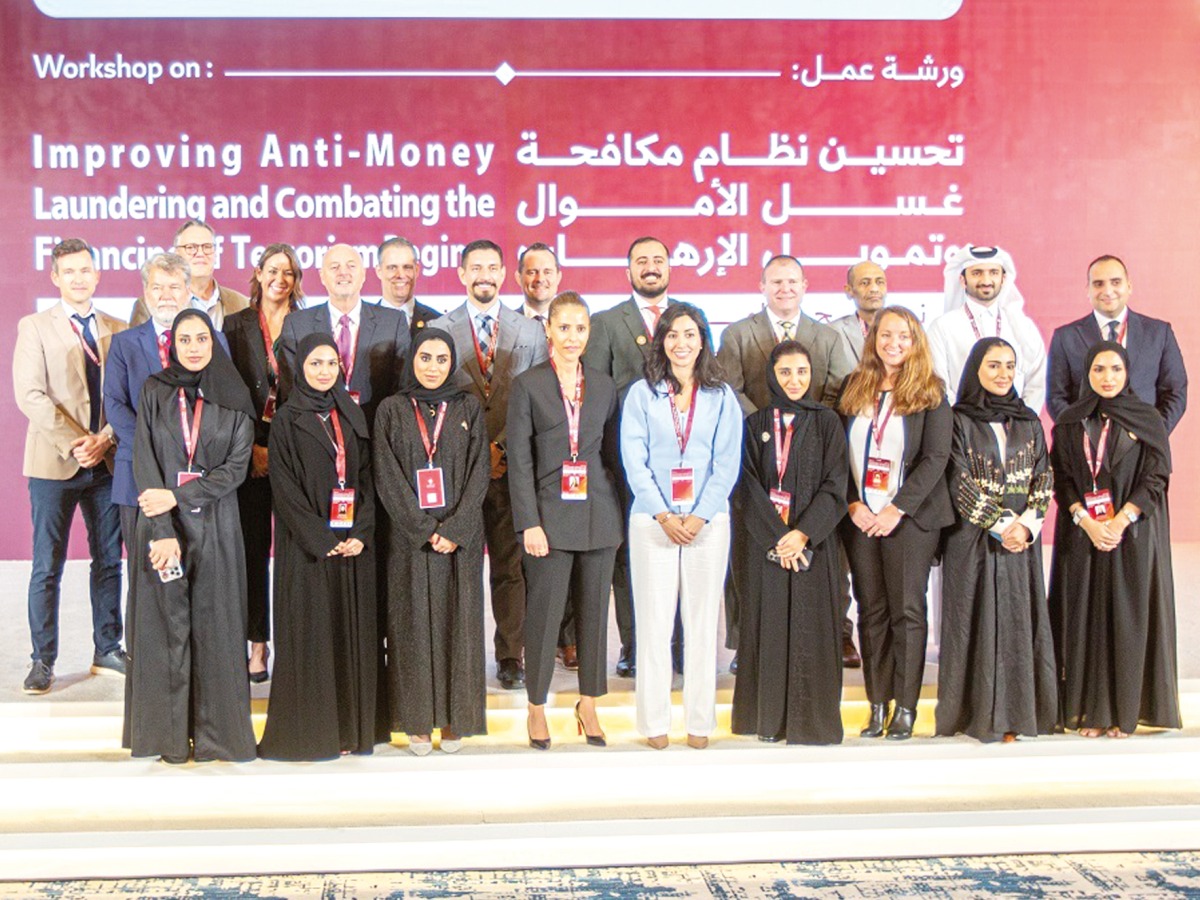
x=1059, y=131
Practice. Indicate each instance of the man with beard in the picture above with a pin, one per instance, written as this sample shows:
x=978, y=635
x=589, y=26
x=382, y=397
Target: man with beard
x=866, y=286
x=619, y=344
x=494, y=345
x=982, y=300
x=398, y=270
x=372, y=341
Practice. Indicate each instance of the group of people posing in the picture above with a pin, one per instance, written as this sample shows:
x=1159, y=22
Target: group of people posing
x=597, y=456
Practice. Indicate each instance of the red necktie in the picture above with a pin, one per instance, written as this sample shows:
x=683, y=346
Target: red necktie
x=164, y=348
x=655, y=311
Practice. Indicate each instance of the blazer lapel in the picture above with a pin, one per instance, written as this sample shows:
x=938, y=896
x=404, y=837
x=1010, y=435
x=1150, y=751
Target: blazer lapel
x=632, y=316
x=147, y=341
x=73, y=357
x=362, y=348
x=764, y=334
x=463, y=332
x=914, y=428
x=508, y=322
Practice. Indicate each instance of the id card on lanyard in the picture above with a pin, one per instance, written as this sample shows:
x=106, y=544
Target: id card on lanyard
x=683, y=478
x=191, y=438
x=781, y=499
x=877, y=470
x=1099, y=503
x=574, y=470
x=341, y=502
x=431, y=485
x=268, y=412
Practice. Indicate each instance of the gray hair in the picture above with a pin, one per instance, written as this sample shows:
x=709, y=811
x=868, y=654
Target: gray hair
x=169, y=263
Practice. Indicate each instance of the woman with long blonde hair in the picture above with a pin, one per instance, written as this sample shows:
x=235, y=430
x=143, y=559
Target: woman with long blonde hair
x=899, y=427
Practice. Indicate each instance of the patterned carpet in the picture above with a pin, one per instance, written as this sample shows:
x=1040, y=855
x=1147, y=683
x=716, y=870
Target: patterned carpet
x=1128, y=876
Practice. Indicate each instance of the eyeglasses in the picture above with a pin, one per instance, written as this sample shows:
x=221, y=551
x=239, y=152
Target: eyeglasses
x=193, y=249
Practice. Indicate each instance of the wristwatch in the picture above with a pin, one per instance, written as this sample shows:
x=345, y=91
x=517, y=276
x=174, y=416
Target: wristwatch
x=1079, y=516
x=1131, y=516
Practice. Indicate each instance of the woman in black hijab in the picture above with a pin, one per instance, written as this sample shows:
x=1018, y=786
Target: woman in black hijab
x=996, y=660
x=432, y=467
x=789, y=499
x=1112, y=596
x=325, y=686
x=189, y=694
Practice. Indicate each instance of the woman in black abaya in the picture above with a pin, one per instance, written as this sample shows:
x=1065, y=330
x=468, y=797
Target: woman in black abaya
x=325, y=686
x=996, y=662
x=189, y=693
x=789, y=683
x=436, y=677
x=1112, y=596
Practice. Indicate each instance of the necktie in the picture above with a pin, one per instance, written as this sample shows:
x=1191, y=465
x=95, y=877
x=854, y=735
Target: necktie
x=164, y=348
x=787, y=329
x=343, y=346
x=484, y=331
x=656, y=312
x=92, y=369
x=1112, y=331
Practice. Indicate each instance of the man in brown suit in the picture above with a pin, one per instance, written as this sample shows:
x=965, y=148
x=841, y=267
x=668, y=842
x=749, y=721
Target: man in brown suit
x=58, y=366
x=196, y=242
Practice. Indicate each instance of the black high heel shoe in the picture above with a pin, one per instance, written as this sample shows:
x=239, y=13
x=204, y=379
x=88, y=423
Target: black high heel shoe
x=878, y=722
x=537, y=743
x=901, y=726
x=593, y=740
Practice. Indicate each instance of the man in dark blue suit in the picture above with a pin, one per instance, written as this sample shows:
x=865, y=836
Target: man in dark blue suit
x=134, y=356
x=372, y=340
x=1156, y=371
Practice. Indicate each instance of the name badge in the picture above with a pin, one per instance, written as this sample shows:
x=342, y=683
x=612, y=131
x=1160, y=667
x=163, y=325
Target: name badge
x=574, y=480
x=1099, y=505
x=269, y=407
x=878, y=474
x=356, y=397
x=431, y=488
x=683, y=485
x=341, y=508
x=782, y=501
x=182, y=478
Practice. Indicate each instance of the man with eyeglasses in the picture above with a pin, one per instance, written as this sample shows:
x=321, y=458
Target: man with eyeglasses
x=196, y=242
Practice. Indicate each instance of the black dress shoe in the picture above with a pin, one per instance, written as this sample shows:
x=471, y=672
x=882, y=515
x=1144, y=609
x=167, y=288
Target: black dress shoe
x=173, y=760
x=878, y=722
x=510, y=674
x=901, y=725
x=677, y=658
x=733, y=665
x=626, y=667
x=769, y=738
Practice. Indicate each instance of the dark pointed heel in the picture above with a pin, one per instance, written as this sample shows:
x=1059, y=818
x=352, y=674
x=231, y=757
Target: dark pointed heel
x=593, y=740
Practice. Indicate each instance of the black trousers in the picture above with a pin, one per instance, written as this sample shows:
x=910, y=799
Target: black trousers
x=549, y=580
x=254, y=509
x=504, y=565
x=891, y=577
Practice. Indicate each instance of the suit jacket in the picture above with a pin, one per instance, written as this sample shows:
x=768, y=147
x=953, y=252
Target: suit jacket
x=851, y=331
x=50, y=383
x=383, y=342
x=1156, y=371
x=249, y=356
x=132, y=358
x=522, y=345
x=619, y=343
x=539, y=442
x=746, y=346
x=228, y=299
x=924, y=494
x=422, y=316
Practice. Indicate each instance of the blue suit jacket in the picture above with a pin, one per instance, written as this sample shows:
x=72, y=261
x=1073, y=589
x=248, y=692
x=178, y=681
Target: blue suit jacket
x=131, y=360
x=1156, y=371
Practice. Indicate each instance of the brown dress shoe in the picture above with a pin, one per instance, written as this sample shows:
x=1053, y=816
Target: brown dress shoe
x=569, y=657
x=850, y=657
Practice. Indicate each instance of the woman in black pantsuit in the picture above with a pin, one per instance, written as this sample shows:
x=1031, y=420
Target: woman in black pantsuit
x=562, y=452
x=898, y=503
x=253, y=336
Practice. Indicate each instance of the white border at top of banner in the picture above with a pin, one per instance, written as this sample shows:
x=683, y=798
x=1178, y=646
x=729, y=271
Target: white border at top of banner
x=808, y=10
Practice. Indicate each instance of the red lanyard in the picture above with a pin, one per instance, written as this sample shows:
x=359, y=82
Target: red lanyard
x=572, y=409
x=682, y=436
x=430, y=446
x=865, y=328
x=783, y=445
x=82, y=343
x=190, y=439
x=1094, y=464
x=485, y=363
x=339, y=446
x=270, y=348
x=974, y=327
x=877, y=427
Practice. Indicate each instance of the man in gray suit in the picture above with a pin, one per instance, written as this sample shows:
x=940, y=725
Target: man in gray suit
x=746, y=346
x=619, y=344
x=494, y=345
x=866, y=285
